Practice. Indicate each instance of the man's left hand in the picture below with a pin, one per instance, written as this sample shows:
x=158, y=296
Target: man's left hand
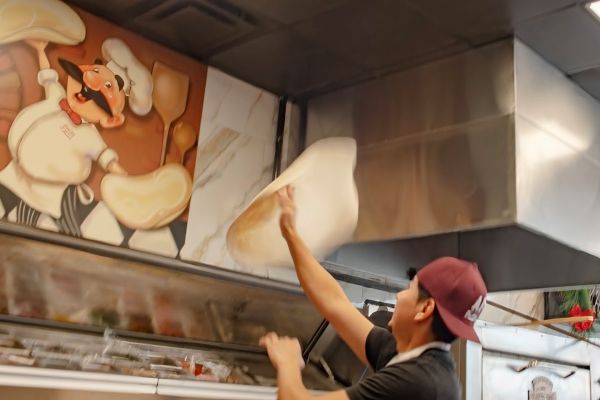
x=283, y=351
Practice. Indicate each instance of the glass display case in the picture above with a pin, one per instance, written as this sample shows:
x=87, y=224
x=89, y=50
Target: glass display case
x=70, y=311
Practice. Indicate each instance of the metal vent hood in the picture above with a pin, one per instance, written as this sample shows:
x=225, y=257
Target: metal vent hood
x=492, y=155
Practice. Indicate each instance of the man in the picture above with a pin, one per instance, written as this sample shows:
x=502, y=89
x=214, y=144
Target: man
x=54, y=142
x=412, y=362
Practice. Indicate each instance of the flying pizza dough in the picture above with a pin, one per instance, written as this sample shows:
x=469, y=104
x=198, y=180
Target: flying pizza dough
x=326, y=207
x=47, y=20
x=148, y=201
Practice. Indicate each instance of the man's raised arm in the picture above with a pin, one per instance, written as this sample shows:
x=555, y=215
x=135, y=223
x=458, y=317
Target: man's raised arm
x=323, y=291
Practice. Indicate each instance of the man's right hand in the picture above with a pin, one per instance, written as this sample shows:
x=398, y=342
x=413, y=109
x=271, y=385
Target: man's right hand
x=287, y=220
x=323, y=291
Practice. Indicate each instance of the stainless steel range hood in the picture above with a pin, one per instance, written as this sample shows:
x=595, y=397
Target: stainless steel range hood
x=492, y=155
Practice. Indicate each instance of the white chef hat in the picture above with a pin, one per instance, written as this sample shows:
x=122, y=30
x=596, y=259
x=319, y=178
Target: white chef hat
x=138, y=84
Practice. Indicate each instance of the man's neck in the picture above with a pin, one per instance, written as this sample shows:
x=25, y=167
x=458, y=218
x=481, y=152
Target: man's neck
x=415, y=341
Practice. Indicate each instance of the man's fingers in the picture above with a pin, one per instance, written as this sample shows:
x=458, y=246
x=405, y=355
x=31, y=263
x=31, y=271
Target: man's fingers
x=262, y=342
x=268, y=339
x=282, y=197
x=286, y=193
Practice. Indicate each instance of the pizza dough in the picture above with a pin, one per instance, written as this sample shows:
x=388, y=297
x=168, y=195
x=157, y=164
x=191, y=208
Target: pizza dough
x=326, y=203
x=48, y=20
x=148, y=201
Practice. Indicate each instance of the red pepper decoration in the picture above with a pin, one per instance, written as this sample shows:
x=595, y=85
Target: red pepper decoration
x=576, y=311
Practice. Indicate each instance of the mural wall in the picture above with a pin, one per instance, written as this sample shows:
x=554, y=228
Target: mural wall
x=107, y=136
x=98, y=127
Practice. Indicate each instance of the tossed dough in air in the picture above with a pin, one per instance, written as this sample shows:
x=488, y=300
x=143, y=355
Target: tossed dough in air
x=326, y=202
x=47, y=20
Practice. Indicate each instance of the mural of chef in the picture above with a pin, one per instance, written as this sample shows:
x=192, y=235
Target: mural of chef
x=54, y=142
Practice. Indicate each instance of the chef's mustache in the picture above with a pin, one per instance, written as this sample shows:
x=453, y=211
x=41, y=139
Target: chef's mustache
x=96, y=96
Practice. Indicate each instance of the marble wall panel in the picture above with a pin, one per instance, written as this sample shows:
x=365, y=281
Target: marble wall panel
x=235, y=161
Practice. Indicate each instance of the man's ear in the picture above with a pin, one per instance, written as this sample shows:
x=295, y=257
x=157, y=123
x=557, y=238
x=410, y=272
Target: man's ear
x=112, y=122
x=426, y=308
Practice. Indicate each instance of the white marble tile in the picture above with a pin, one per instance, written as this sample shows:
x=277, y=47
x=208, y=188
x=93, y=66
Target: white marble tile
x=239, y=106
x=235, y=161
x=283, y=274
x=220, y=193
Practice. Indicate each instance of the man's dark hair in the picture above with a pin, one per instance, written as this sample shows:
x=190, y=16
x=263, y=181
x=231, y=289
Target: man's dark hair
x=438, y=327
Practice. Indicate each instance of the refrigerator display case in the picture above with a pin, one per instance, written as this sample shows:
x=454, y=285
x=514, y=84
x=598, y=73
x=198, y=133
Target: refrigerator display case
x=122, y=321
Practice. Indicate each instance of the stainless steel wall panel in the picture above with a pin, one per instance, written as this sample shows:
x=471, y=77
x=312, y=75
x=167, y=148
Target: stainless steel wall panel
x=459, y=178
x=557, y=154
x=467, y=87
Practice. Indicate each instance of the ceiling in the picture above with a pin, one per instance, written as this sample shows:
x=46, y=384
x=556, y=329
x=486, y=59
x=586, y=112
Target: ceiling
x=308, y=47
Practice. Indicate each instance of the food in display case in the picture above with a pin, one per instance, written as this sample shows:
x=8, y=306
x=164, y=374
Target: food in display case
x=63, y=295
x=113, y=355
x=101, y=299
x=12, y=352
x=25, y=285
x=139, y=323
x=101, y=316
x=43, y=281
x=166, y=318
x=195, y=322
x=134, y=311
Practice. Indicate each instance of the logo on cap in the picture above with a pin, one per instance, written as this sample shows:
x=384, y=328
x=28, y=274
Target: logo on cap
x=473, y=313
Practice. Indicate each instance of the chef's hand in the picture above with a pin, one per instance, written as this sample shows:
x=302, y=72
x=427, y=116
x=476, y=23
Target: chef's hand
x=38, y=45
x=116, y=168
x=287, y=220
x=283, y=351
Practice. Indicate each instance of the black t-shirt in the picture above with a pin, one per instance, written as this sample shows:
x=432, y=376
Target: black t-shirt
x=430, y=376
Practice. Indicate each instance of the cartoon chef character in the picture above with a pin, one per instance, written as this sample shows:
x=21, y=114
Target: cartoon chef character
x=54, y=142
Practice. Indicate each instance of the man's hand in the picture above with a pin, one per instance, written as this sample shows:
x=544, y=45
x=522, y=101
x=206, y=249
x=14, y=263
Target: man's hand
x=287, y=220
x=283, y=351
x=38, y=45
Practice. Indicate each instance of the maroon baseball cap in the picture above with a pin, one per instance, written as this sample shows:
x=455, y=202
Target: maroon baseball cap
x=459, y=293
